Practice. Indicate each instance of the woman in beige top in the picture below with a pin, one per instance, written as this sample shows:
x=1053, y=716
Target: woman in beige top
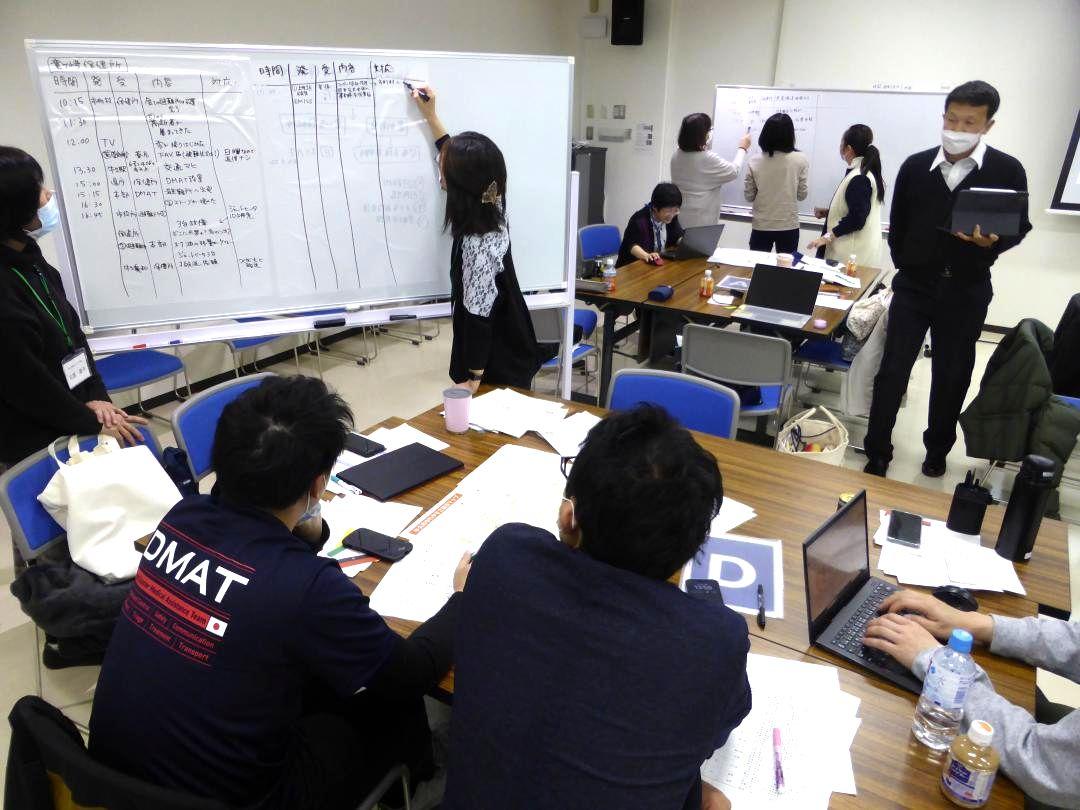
x=775, y=182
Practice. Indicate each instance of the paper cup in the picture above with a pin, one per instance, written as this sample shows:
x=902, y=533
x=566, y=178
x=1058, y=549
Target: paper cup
x=784, y=259
x=456, y=409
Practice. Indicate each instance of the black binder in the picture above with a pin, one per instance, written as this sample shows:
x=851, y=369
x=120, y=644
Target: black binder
x=392, y=473
x=994, y=210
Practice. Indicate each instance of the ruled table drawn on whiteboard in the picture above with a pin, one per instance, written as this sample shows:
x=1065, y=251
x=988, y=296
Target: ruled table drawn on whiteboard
x=209, y=181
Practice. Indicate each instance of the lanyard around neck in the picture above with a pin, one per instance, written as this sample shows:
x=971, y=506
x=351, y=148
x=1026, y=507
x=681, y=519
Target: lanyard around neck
x=54, y=311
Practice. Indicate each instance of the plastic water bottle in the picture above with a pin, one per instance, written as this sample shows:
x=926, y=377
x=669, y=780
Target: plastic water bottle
x=945, y=688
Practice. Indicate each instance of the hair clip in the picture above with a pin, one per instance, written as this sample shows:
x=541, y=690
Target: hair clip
x=491, y=194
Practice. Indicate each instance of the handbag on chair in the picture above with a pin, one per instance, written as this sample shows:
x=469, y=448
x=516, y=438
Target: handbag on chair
x=106, y=499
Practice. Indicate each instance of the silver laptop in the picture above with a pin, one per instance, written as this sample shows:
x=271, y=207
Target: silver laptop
x=697, y=243
x=781, y=296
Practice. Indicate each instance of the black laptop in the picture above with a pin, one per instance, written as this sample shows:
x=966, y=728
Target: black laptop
x=698, y=242
x=842, y=597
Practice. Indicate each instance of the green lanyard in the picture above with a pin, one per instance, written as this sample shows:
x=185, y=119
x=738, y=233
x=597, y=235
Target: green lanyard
x=53, y=313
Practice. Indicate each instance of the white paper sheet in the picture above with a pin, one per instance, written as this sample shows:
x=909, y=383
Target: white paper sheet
x=834, y=302
x=741, y=257
x=817, y=723
x=732, y=513
x=566, y=436
x=514, y=414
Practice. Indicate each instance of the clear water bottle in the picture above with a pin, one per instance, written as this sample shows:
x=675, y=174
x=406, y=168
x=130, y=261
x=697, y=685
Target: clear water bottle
x=945, y=688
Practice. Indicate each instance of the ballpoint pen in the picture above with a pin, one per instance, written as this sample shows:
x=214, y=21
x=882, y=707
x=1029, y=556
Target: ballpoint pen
x=761, y=607
x=778, y=765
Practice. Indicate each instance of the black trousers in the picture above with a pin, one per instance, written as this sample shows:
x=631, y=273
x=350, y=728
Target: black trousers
x=785, y=241
x=342, y=749
x=953, y=308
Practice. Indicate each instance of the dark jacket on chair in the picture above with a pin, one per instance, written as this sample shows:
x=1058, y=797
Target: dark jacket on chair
x=1015, y=412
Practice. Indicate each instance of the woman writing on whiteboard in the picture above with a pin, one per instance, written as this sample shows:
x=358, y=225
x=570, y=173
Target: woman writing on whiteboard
x=700, y=173
x=776, y=181
x=494, y=341
x=853, y=219
x=52, y=386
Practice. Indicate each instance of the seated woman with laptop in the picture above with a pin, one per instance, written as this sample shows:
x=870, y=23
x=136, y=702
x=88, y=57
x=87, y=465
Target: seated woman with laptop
x=653, y=227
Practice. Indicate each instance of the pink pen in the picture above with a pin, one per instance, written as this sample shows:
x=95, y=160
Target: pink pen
x=778, y=766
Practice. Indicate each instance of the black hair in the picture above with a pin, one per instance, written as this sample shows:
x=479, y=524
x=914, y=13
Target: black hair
x=861, y=140
x=21, y=180
x=975, y=93
x=777, y=134
x=274, y=440
x=694, y=132
x=665, y=195
x=645, y=493
x=470, y=163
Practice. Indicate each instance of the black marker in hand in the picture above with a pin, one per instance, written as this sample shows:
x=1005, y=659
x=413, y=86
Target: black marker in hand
x=423, y=96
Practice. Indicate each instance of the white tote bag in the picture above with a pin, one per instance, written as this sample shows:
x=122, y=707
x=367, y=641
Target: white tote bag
x=107, y=499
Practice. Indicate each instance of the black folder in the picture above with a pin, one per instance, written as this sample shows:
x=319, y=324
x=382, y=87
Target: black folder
x=994, y=210
x=392, y=473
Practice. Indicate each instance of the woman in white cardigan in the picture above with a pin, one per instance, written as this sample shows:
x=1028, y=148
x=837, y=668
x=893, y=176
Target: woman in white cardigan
x=853, y=219
x=700, y=173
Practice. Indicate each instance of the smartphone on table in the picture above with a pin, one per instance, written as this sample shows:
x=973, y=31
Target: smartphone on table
x=905, y=528
x=377, y=545
x=362, y=445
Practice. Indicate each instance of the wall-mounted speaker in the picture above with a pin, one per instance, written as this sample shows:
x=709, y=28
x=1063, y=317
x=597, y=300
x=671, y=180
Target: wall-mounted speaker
x=627, y=22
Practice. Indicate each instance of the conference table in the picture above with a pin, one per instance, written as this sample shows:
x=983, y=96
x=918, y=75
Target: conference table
x=657, y=321
x=793, y=496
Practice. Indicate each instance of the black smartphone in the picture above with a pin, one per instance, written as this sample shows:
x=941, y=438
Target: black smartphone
x=377, y=545
x=362, y=445
x=905, y=528
x=707, y=589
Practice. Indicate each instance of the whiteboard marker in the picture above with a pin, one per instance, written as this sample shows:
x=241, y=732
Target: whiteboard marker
x=408, y=86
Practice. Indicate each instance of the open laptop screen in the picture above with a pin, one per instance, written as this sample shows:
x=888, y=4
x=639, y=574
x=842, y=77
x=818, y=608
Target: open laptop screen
x=783, y=288
x=837, y=562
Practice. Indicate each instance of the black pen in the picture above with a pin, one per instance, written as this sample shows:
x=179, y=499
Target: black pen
x=424, y=96
x=761, y=607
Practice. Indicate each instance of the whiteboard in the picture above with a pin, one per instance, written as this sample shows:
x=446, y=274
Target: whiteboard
x=903, y=123
x=205, y=181
x=1067, y=193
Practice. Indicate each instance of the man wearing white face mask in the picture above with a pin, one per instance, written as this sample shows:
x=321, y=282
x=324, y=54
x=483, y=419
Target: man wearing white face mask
x=52, y=387
x=943, y=283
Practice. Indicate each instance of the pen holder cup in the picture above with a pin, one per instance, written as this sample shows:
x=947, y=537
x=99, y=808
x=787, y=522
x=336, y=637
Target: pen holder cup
x=968, y=508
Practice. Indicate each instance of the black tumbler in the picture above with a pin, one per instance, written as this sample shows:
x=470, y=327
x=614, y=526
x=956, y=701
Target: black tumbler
x=1031, y=487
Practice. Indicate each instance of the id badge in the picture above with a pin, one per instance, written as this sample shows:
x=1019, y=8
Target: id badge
x=76, y=368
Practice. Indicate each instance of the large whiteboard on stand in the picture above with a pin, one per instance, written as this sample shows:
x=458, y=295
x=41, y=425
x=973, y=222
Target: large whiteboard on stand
x=903, y=123
x=203, y=181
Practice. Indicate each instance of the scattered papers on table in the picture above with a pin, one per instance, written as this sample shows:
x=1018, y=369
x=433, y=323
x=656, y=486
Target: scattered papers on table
x=945, y=557
x=829, y=273
x=834, y=302
x=506, y=411
x=817, y=722
x=741, y=257
x=739, y=564
x=345, y=514
x=722, y=300
x=515, y=485
x=566, y=437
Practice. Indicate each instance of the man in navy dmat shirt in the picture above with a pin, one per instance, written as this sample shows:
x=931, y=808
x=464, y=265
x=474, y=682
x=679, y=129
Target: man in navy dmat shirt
x=245, y=667
x=584, y=679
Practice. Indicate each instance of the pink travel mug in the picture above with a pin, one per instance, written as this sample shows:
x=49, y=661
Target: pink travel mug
x=456, y=409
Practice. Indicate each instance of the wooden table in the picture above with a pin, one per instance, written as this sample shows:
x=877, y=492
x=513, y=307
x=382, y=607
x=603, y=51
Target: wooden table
x=656, y=319
x=792, y=497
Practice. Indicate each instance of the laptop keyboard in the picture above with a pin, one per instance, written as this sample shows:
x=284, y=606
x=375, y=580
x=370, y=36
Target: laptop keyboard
x=850, y=636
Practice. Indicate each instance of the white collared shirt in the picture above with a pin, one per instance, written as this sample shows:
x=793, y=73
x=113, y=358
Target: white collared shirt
x=954, y=173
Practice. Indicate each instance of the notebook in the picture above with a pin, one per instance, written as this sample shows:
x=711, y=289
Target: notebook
x=392, y=473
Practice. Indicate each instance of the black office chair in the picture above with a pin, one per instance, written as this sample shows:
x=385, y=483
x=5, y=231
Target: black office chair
x=49, y=768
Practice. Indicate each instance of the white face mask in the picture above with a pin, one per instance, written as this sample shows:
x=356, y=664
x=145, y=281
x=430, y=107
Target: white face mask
x=49, y=214
x=956, y=143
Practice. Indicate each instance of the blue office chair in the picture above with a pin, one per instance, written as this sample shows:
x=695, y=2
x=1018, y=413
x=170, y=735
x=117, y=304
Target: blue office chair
x=33, y=531
x=586, y=319
x=695, y=403
x=823, y=352
x=134, y=369
x=195, y=421
x=596, y=241
x=240, y=345
x=548, y=326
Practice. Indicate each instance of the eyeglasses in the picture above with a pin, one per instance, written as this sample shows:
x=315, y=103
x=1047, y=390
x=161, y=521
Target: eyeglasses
x=565, y=463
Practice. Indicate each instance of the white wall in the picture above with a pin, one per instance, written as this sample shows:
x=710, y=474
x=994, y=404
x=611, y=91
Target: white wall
x=1027, y=50
x=510, y=26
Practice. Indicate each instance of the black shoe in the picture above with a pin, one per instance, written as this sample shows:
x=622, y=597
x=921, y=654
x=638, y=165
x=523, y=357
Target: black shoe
x=933, y=465
x=876, y=466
